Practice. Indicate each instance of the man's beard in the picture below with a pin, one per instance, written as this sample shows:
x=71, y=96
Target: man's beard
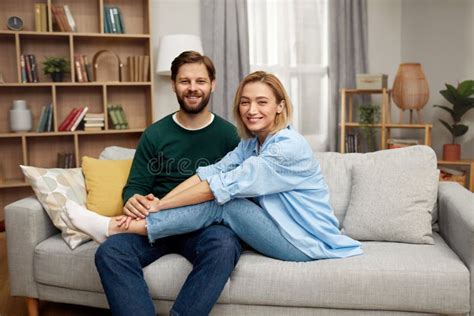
x=193, y=110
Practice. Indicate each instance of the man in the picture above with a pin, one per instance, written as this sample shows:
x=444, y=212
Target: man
x=170, y=151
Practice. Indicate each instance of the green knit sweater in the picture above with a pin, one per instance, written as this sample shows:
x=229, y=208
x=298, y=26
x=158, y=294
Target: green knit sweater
x=168, y=154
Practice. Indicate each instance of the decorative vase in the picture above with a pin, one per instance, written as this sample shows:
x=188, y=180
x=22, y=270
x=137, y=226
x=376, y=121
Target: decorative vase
x=20, y=117
x=410, y=89
x=451, y=152
x=57, y=76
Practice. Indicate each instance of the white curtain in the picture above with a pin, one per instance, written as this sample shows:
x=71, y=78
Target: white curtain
x=289, y=38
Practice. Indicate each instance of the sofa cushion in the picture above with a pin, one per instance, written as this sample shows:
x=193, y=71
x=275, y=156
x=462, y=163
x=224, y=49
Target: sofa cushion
x=52, y=188
x=389, y=276
x=105, y=180
x=393, y=195
x=337, y=170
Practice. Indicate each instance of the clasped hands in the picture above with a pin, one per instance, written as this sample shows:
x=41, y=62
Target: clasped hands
x=138, y=207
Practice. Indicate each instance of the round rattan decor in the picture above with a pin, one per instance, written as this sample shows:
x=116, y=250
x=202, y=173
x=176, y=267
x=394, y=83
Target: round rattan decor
x=410, y=89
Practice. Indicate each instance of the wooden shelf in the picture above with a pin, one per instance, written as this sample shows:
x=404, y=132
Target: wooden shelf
x=136, y=98
x=385, y=125
x=13, y=183
x=469, y=163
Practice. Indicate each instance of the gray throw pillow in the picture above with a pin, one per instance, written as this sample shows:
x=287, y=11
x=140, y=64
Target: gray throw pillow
x=393, y=195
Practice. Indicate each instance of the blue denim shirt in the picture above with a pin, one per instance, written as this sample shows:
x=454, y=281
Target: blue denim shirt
x=285, y=179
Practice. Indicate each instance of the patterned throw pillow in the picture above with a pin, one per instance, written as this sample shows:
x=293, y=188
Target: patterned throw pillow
x=52, y=188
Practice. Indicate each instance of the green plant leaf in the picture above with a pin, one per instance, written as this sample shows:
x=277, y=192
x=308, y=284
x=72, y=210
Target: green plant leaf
x=466, y=88
x=459, y=130
x=447, y=125
x=444, y=107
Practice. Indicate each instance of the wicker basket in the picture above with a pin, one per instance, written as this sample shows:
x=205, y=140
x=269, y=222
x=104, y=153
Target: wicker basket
x=461, y=179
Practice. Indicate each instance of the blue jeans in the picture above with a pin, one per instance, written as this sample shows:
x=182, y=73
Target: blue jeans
x=213, y=251
x=248, y=220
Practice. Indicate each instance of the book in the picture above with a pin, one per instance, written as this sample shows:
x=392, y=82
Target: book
x=49, y=125
x=34, y=70
x=79, y=118
x=69, y=18
x=38, y=27
x=77, y=68
x=44, y=17
x=113, y=118
x=29, y=78
x=41, y=119
x=146, y=67
x=67, y=120
x=113, y=23
x=88, y=66
x=23, y=69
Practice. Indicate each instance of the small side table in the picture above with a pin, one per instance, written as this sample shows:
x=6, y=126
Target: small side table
x=468, y=163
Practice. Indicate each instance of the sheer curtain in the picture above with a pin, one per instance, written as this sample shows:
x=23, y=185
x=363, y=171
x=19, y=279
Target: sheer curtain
x=289, y=38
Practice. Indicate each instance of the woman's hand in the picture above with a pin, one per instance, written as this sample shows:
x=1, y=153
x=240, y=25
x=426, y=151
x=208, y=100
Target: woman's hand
x=138, y=206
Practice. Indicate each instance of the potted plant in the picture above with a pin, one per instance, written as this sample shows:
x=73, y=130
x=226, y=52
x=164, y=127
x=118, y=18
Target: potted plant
x=369, y=114
x=462, y=100
x=56, y=67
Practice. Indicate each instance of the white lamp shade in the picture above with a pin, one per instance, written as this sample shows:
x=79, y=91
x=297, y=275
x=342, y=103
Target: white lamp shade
x=173, y=45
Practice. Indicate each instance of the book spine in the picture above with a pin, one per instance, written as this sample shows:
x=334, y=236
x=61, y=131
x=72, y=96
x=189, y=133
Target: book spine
x=83, y=69
x=28, y=69
x=38, y=27
x=88, y=67
x=67, y=120
x=122, y=24
x=146, y=67
x=34, y=70
x=43, y=110
x=69, y=18
x=112, y=21
x=113, y=120
x=24, y=77
x=77, y=112
x=79, y=118
x=49, y=126
x=44, y=17
x=77, y=64
x=123, y=117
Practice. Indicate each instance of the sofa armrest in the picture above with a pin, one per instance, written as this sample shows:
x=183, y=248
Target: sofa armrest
x=456, y=223
x=27, y=224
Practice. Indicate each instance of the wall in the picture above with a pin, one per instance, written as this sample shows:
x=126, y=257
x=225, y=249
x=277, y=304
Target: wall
x=170, y=17
x=440, y=35
x=437, y=33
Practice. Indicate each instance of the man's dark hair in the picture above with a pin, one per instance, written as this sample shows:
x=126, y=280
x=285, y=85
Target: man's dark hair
x=192, y=57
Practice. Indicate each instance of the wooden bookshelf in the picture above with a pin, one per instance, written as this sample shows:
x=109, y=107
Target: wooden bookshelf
x=136, y=98
x=385, y=126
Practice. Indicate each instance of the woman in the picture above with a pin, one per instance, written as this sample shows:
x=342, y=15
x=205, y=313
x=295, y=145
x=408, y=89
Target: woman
x=269, y=190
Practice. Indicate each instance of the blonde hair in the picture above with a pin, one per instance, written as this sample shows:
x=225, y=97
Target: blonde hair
x=281, y=120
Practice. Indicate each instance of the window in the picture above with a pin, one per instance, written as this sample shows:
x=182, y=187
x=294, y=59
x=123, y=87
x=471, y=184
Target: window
x=289, y=38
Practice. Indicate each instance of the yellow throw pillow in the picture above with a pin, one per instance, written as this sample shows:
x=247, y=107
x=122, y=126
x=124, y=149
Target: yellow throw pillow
x=105, y=180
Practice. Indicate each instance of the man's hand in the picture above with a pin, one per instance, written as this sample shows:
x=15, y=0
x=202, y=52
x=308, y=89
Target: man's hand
x=138, y=206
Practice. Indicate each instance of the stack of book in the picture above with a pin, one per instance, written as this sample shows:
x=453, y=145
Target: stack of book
x=73, y=119
x=352, y=143
x=65, y=160
x=113, y=20
x=94, y=122
x=400, y=143
x=45, y=122
x=29, y=70
x=138, y=68
x=83, y=68
x=449, y=174
x=117, y=117
x=63, y=19
x=41, y=17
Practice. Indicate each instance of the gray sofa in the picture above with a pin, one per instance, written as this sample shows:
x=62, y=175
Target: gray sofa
x=391, y=278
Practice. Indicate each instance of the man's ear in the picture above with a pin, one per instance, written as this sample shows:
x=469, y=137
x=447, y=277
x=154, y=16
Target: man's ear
x=173, y=85
x=213, y=85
